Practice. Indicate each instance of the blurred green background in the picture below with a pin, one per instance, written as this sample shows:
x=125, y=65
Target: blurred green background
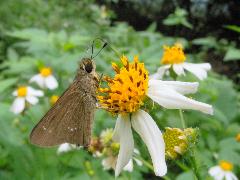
x=58, y=33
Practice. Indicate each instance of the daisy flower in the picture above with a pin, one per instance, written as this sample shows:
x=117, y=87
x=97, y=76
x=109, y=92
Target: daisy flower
x=174, y=57
x=223, y=171
x=45, y=79
x=24, y=94
x=125, y=95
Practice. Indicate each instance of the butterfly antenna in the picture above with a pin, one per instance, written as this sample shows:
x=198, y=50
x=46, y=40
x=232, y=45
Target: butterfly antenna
x=104, y=45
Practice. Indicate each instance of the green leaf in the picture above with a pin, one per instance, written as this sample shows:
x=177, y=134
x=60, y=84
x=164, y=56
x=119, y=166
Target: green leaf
x=5, y=84
x=233, y=28
x=232, y=54
x=189, y=175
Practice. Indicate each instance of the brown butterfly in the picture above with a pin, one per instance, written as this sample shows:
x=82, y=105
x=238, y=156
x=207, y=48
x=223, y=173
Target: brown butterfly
x=70, y=119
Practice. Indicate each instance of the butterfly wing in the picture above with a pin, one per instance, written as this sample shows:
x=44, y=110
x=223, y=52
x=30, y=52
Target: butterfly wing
x=68, y=121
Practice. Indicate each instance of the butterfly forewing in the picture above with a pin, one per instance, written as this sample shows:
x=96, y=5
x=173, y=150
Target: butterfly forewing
x=70, y=119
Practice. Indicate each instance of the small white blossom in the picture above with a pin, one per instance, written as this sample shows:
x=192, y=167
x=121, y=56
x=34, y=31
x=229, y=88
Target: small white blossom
x=223, y=171
x=25, y=94
x=45, y=79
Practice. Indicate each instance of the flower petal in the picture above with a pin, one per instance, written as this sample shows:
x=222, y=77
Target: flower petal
x=18, y=105
x=230, y=176
x=171, y=99
x=199, y=70
x=33, y=92
x=214, y=170
x=181, y=87
x=146, y=127
x=178, y=69
x=15, y=93
x=51, y=82
x=124, y=136
x=65, y=147
x=129, y=166
x=38, y=79
x=109, y=162
x=160, y=72
x=32, y=100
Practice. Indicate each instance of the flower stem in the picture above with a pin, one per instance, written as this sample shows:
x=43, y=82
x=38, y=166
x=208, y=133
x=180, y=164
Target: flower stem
x=182, y=119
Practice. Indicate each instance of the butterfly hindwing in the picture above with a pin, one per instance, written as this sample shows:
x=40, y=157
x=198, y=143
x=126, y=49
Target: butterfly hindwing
x=68, y=121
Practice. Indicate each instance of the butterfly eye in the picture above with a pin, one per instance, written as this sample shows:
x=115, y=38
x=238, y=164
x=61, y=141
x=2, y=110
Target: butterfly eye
x=88, y=67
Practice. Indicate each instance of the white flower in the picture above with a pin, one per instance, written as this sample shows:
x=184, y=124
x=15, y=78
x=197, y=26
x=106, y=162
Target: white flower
x=45, y=79
x=23, y=94
x=174, y=57
x=66, y=147
x=223, y=171
x=125, y=95
x=168, y=94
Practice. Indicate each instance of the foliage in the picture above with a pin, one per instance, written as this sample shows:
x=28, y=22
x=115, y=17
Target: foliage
x=61, y=48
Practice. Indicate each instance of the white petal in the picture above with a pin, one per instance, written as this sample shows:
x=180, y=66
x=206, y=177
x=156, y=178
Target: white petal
x=33, y=92
x=178, y=69
x=146, y=127
x=109, y=163
x=129, y=166
x=38, y=79
x=116, y=135
x=139, y=163
x=199, y=70
x=230, y=176
x=18, y=105
x=181, y=87
x=171, y=99
x=14, y=93
x=136, y=151
x=125, y=137
x=32, y=100
x=51, y=82
x=216, y=172
x=65, y=147
x=160, y=72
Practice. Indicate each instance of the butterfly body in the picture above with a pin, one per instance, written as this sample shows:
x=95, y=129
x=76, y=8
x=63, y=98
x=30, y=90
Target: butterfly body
x=71, y=117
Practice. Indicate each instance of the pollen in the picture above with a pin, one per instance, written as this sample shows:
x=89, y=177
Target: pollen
x=54, y=99
x=46, y=71
x=22, y=91
x=226, y=166
x=127, y=89
x=173, y=55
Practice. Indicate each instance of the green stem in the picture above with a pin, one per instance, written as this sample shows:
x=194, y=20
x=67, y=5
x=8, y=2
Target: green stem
x=182, y=166
x=182, y=119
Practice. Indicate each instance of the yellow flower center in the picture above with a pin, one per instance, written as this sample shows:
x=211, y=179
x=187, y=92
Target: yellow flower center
x=226, y=166
x=46, y=71
x=22, y=91
x=238, y=137
x=127, y=90
x=173, y=55
x=54, y=99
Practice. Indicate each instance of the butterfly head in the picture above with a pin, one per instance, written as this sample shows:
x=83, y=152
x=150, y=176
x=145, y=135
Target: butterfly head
x=87, y=65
